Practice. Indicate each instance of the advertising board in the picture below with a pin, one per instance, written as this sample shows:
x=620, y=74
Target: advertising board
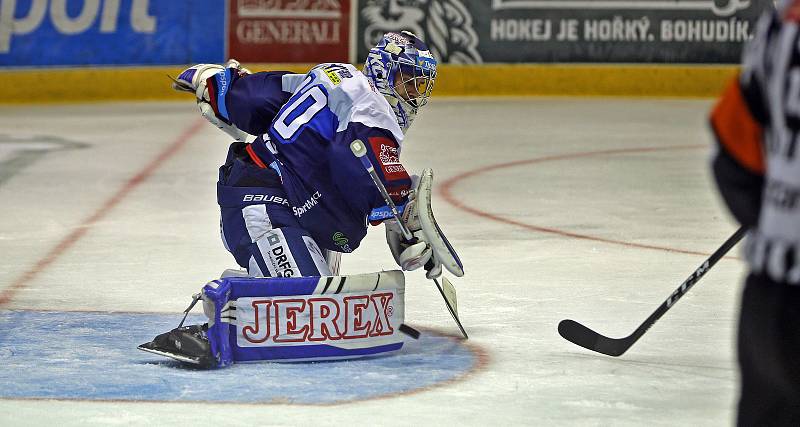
x=110, y=32
x=307, y=31
x=594, y=31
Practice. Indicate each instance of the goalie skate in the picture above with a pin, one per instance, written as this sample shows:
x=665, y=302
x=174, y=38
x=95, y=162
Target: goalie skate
x=187, y=344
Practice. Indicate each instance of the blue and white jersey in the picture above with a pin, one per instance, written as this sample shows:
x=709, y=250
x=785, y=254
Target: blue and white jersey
x=307, y=123
x=329, y=99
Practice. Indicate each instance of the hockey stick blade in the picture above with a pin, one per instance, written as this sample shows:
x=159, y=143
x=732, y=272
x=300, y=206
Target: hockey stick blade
x=576, y=333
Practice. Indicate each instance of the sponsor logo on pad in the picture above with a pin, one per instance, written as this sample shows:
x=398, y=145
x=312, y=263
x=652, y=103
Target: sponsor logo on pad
x=274, y=321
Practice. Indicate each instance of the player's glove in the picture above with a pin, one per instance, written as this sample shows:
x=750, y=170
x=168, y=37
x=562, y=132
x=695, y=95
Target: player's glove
x=195, y=78
x=415, y=253
x=429, y=246
x=198, y=78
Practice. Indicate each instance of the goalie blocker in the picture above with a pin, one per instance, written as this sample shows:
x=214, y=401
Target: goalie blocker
x=428, y=247
x=291, y=319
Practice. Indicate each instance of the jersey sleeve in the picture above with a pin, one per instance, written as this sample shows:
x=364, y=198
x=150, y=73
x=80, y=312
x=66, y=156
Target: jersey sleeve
x=355, y=183
x=737, y=130
x=248, y=101
x=738, y=164
x=384, y=152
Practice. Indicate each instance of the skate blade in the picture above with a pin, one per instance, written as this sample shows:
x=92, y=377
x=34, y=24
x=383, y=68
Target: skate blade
x=178, y=357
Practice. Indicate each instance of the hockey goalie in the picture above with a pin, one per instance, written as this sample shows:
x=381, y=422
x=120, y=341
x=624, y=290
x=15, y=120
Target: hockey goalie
x=293, y=197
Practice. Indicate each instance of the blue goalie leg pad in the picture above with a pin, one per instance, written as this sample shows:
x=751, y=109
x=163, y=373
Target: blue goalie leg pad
x=292, y=319
x=305, y=318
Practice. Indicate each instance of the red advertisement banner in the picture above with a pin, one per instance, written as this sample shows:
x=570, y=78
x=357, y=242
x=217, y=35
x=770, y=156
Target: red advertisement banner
x=303, y=31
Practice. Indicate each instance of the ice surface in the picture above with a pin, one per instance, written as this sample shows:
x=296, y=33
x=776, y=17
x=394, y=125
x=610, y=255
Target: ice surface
x=590, y=209
x=89, y=356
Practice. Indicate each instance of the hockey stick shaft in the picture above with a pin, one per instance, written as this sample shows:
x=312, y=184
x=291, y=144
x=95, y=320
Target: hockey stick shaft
x=690, y=281
x=587, y=338
x=360, y=151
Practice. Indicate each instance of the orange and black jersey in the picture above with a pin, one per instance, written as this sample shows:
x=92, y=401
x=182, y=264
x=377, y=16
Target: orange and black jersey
x=757, y=126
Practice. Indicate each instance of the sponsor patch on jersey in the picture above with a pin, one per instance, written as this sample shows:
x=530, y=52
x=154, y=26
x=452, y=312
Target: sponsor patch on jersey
x=345, y=73
x=399, y=192
x=333, y=76
x=389, y=158
x=305, y=207
x=336, y=72
x=341, y=240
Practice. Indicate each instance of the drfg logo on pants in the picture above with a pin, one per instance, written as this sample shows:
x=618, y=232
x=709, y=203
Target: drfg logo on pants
x=21, y=17
x=280, y=256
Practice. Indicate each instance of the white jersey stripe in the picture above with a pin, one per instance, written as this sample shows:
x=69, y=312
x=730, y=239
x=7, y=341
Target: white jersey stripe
x=256, y=221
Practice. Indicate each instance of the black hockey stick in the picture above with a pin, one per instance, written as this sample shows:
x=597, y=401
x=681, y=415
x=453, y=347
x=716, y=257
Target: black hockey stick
x=587, y=338
x=446, y=289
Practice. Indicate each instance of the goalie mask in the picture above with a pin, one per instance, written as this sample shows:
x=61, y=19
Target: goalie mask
x=402, y=69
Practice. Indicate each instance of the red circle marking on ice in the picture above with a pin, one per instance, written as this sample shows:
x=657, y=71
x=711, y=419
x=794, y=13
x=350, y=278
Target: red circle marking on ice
x=449, y=184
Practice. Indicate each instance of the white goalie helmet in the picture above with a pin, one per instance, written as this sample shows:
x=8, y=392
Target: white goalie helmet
x=402, y=69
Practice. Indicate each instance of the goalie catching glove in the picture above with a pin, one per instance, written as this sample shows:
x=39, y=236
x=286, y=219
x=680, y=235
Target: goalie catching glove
x=210, y=83
x=428, y=247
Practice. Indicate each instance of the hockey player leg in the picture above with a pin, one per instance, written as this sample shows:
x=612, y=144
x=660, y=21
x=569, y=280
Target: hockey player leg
x=259, y=228
x=287, y=252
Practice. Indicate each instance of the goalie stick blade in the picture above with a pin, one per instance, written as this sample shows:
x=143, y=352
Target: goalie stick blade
x=449, y=303
x=578, y=334
x=450, y=294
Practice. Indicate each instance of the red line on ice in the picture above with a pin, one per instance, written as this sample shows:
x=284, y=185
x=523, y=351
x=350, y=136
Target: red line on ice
x=7, y=294
x=448, y=185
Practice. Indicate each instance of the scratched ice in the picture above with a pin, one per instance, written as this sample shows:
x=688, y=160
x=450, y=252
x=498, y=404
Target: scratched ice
x=590, y=209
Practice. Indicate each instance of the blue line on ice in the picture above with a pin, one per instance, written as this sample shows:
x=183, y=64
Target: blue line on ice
x=93, y=356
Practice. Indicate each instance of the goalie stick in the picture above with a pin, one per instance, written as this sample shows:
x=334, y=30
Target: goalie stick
x=581, y=335
x=446, y=289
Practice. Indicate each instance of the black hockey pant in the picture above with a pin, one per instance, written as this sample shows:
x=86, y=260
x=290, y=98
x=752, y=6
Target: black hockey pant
x=769, y=354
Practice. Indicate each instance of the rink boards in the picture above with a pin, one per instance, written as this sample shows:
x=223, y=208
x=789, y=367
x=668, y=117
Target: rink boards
x=66, y=85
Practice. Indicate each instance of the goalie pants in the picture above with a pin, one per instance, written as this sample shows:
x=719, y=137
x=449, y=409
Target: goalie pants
x=769, y=354
x=257, y=224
